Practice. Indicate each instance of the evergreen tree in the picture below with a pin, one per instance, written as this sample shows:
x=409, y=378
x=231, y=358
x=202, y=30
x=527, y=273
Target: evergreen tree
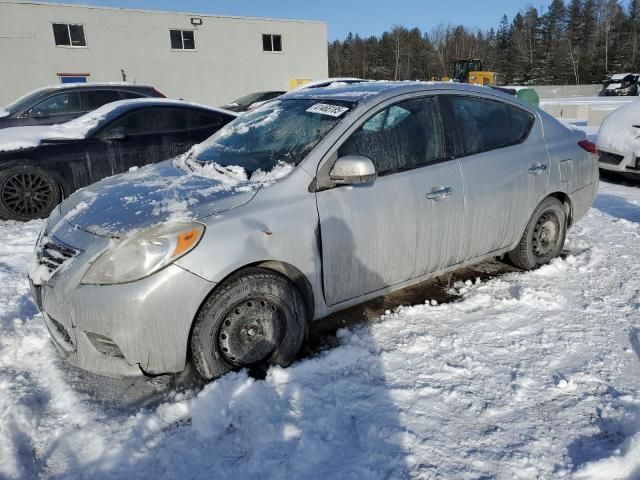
x=572, y=41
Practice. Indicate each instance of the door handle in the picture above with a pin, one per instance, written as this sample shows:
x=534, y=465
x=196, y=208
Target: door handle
x=537, y=169
x=438, y=193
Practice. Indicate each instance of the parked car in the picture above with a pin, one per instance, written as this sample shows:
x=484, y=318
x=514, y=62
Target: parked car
x=619, y=141
x=316, y=201
x=252, y=100
x=40, y=165
x=621, y=84
x=61, y=103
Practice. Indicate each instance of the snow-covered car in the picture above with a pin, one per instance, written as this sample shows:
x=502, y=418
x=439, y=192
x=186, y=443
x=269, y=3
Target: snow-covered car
x=40, y=165
x=316, y=201
x=621, y=84
x=64, y=102
x=619, y=140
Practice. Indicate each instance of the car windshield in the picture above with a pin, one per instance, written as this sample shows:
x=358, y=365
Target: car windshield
x=21, y=103
x=281, y=131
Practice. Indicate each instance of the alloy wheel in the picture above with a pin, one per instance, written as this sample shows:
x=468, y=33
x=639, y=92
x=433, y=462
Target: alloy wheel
x=27, y=194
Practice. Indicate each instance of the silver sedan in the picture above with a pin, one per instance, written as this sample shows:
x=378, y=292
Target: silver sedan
x=314, y=202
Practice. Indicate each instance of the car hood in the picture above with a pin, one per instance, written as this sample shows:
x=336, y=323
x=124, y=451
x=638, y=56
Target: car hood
x=620, y=130
x=150, y=195
x=22, y=138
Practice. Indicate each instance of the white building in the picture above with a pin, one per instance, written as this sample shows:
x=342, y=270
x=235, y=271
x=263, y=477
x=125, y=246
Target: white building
x=205, y=58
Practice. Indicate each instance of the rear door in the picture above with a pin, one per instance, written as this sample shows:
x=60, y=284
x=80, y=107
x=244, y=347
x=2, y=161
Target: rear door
x=93, y=99
x=504, y=168
x=439, y=196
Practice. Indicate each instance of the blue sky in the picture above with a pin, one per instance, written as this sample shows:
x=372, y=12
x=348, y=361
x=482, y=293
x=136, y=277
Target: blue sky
x=365, y=17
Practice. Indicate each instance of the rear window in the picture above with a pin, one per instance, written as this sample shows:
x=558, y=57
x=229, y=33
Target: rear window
x=97, y=98
x=488, y=124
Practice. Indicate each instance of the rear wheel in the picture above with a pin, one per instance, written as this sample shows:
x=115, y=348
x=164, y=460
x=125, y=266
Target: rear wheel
x=254, y=319
x=27, y=193
x=543, y=238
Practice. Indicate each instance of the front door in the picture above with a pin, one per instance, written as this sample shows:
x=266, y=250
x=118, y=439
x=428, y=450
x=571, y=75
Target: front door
x=370, y=232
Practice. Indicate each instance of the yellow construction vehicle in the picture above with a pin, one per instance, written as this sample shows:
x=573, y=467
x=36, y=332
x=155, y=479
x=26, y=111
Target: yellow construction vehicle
x=471, y=71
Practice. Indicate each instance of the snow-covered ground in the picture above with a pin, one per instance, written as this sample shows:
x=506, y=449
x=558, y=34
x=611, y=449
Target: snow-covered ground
x=528, y=375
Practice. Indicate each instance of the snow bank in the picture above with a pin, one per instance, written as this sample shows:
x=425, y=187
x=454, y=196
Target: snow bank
x=529, y=375
x=624, y=461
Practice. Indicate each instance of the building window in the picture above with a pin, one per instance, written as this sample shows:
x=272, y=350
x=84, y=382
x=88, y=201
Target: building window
x=182, y=39
x=69, y=35
x=271, y=43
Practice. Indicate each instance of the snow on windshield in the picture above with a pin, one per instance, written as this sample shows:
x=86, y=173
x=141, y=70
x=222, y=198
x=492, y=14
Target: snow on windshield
x=281, y=131
x=4, y=112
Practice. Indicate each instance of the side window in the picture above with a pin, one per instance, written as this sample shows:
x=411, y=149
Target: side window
x=520, y=122
x=404, y=136
x=203, y=120
x=60, y=104
x=487, y=124
x=97, y=98
x=130, y=95
x=171, y=119
x=137, y=123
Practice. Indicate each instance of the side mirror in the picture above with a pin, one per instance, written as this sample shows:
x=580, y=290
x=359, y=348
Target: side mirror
x=114, y=134
x=353, y=170
x=36, y=114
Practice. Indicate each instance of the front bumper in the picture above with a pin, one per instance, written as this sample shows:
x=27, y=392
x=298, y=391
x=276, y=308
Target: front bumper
x=619, y=162
x=149, y=320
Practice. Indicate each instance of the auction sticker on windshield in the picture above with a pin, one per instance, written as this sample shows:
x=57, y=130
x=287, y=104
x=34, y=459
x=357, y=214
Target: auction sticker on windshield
x=327, y=109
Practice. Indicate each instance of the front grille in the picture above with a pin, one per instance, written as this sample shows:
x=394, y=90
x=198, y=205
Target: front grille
x=54, y=255
x=610, y=158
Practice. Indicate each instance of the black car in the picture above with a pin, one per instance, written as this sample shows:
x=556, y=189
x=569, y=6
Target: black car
x=243, y=104
x=61, y=103
x=41, y=165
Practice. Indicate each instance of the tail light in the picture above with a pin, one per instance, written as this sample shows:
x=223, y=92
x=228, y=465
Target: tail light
x=589, y=146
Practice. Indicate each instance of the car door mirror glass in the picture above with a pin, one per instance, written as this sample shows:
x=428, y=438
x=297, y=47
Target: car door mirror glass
x=353, y=170
x=114, y=134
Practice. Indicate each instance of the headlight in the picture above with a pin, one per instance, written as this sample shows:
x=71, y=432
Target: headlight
x=143, y=253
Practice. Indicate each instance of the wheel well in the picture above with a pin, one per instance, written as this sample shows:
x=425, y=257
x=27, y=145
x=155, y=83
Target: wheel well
x=294, y=275
x=566, y=201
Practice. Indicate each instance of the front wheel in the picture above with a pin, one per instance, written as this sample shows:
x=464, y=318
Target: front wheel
x=543, y=239
x=27, y=193
x=255, y=318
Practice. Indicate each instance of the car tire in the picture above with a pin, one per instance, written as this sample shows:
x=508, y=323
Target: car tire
x=544, y=237
x=255, y=318
x=27, y=193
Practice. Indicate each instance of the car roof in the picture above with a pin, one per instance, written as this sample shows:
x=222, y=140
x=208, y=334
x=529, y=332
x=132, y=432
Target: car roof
x=82, y=85
x=113, y=109
x=375, y=91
